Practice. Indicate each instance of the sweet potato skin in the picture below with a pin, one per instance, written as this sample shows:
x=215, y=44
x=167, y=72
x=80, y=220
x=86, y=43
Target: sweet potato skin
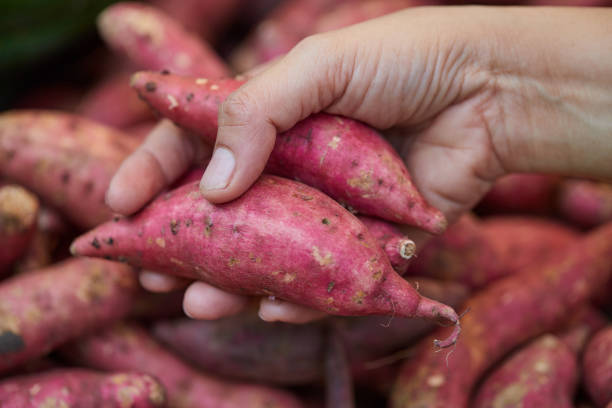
x=151, y=39
x=597, y=367
x=541, y=374
x=587, y=204
x=522, y=193
x=66, y=160
x=72, y=388
x=42, y=309
x=339, y=392
x=398, y=247
x=127, y=347
x=548, y=292
x=346, y=159
x=18, y=215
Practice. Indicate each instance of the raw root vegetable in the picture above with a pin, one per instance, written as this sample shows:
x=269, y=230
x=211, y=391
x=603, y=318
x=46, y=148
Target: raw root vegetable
x=597, y=367
x=530, y=303
x=586, y=203
x=153, y=40
x=523, y=193
x=281, y=238
x=18, y=211
x=581, y=327
x=113, y=103
x=245, y=347
x=344, y=158
x=65, y=159
x=43, y=309
x=130, y=348
x=541, y=374
x=338, y=380
x=476, y=253
x=399, y=247
x=76, y=388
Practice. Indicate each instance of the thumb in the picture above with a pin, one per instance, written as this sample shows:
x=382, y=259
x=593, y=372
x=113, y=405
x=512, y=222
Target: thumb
x=303, y=82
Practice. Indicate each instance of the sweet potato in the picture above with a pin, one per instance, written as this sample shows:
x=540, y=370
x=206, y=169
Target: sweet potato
x=126, y=347
x=338, y=380
x=245, y=347
x=522, y=193
x=151, y=39
x=476, y=253
x=502, y=316
x=43, y=309
x=398, y=247
x=280, y=238
x=76, y=388
x=586, y=203
x=18, y=211
x=344, y=158
x=597, y=367
x=66, y=160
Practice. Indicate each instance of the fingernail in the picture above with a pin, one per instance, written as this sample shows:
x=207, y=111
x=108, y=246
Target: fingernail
x=219, y=170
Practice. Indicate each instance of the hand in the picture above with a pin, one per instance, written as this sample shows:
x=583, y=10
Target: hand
x=478, y=92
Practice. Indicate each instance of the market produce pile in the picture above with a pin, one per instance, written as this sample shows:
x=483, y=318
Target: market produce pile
x=509, y=306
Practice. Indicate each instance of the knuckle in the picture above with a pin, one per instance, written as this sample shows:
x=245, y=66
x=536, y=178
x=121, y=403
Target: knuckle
x=236, y=110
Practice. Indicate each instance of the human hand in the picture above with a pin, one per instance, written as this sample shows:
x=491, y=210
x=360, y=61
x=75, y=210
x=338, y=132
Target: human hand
x=437, y=73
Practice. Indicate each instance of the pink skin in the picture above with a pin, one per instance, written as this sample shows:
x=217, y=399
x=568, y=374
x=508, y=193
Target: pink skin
x=586, y=203
x=398, y=246
x=66, y=160
x=152, y=39
x=18, y=216
x=544, y=373
x=344, y=158
x=130, y=348
x=597, y=367
x=441, y=380
x=250, y=237
x=523, y=193
x=43, y=309
x=77, y=387
x=339, y=392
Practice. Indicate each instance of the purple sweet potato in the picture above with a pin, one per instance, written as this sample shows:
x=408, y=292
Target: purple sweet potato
x=502, y=316
x=126, y=347
x=597, y=367
x=339, y=391
x=151, y=39
x=344, y=158
x=43, y=309
x=399, y=247
x=18, y=214
x=245, y=347
x=66, y=160
x=586, y=203
x=76, y=388
x=522, y=193
x=476, y=253
x=281, y=238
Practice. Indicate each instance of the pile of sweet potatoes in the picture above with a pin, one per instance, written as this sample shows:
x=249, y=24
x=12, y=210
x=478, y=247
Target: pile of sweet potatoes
x=507, y=307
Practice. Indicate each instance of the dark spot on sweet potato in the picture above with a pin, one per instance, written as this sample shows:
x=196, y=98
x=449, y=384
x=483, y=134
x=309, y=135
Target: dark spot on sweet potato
x=95, y=243
x=10, y=154
x=65, y=177
x=89, y=186
x=330, y=286
x=209, y=226
x=360, y=236
x=10, y=342
x=189, y=96
x=150, y=86
x=325, y=221
x=411, y=204
x=188, y=223
x=116, y=218
x=110, y=241
x=236, y=229
x=122, y=259
x=108, y=257
x=354, y=163
x=165, y=72
x=380, y=182
x=175, y=226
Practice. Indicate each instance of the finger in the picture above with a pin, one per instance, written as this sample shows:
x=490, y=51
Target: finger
x=203, y=301
x=303, y=82
x=165, y=154
x=157, y=282
x=275, y=310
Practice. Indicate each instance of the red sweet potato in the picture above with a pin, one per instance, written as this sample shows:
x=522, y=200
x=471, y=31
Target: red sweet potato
x=151, y=39
x=66, y=160
x=76, y=388
x=43, y=309
x=18, y=210
x=476, y=253
x=344, y=158
x=281, y=238
x=398, y=247
x=129, y=348
x=502, y=316
x=586, y=203
x=597, y=367
x=338, y=380
x=245, y=347
x=521, y=193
